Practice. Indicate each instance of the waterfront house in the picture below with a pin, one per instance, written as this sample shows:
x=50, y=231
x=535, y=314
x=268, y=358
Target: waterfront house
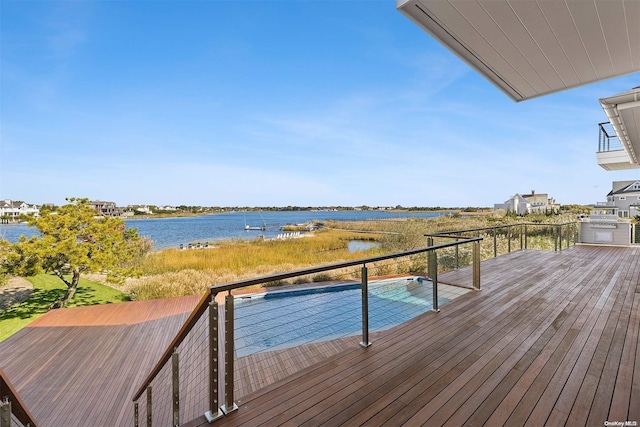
x=625, y=198
x=541, y=202
x=516, y=204
x=106, y=208
x=529, y=203
x=11, y=210
x=141, y=208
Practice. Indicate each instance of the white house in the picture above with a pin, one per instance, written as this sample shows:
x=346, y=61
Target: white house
x=141, y=208
x=516, y=204
x=521, y=204
x=12, y=209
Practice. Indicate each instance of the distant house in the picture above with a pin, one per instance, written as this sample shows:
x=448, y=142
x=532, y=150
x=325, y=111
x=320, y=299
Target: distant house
x=541, y=202
x=625, y=198
x=10, y=210
x=529, y=203
x=106, y=208
x=516, y=204
x=141, y=208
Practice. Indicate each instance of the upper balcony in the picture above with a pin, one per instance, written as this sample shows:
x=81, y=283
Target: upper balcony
x=619, y=140
x=611, y=154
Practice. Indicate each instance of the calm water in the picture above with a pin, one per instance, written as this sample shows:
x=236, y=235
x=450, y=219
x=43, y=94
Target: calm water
x=172, y=232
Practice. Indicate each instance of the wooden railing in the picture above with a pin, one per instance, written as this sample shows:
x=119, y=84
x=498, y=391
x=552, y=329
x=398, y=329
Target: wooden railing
x=12, y=408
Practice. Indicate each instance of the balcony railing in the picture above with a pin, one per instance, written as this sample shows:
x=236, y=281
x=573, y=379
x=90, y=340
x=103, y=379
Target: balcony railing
x=233, y=343
x=13, y=411
x=607, y=138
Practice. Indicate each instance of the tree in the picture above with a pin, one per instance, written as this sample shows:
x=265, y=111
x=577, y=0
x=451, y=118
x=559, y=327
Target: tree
x=73, y=240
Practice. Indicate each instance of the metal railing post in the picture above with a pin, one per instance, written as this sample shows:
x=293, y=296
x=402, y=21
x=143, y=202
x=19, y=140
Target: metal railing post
x=175, y=385
x=457, y=255
x=555, y=238
x=5, y=412
x=229, y=347
x=136, y=414
x=560, y=237
x=214, y=411
x=521, y=237
x=433, y=274
x=149, y=407
x=365, y=308
x=508, y=239
x=495, y=243
x=476, y=266
x=526, y=237
x=430, y=271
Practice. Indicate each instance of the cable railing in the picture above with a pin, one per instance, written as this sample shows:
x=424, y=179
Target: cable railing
x=503, y=239
x=235, y=341
x=13, y=411
x=245, y=335
x=607, y=138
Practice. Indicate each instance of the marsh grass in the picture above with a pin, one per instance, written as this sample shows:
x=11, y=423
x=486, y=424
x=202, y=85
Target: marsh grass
x=239, y=256
x=174, y=272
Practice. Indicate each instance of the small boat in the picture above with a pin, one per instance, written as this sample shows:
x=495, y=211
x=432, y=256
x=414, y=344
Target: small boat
x=248, y=227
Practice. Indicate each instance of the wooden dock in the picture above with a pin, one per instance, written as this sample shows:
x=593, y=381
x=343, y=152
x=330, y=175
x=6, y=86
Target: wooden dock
x=552, y=339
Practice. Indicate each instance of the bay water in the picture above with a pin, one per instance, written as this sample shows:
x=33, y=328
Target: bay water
x=173, y=232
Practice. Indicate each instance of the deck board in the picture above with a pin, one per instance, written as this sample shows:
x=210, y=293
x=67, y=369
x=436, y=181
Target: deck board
x=78, y=364
x=550, y=333
x=552, y=339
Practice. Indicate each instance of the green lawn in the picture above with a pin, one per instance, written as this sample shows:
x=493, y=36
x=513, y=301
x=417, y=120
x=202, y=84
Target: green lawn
x=46, y=289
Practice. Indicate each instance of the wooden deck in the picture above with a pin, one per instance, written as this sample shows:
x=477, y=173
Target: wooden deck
x=80, y=366
x=552, y=339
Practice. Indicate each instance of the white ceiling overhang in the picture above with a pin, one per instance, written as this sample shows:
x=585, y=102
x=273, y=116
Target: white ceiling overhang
x=623, y=111
x=532, y=48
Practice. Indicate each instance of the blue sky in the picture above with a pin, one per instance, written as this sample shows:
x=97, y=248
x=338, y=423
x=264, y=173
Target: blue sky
x=273, y=103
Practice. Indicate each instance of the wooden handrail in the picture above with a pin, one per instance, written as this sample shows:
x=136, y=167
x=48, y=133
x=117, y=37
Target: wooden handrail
x=18, y=407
